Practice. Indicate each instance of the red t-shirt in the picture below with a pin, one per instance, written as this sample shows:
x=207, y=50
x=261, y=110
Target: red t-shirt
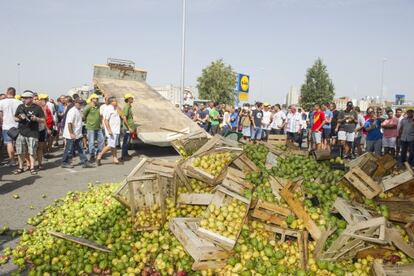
x=318, y=118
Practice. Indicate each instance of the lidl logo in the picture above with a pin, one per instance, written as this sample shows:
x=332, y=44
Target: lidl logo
x=243, y=96
x=243, y=83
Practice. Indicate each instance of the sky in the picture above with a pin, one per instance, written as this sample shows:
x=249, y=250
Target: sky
x=273, y=41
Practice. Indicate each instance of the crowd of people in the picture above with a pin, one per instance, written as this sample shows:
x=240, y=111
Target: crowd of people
x=32, y=125
x=353, y=131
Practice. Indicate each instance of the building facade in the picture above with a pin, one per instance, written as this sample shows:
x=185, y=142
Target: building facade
x=293, y=96
x=173, y=93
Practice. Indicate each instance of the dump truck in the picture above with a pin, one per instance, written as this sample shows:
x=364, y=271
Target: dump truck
x=158, y=120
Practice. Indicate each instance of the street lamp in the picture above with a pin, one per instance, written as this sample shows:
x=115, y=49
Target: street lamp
x=183, y=55
x=18, y=77
x=382, y=78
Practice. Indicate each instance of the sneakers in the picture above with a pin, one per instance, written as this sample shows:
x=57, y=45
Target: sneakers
x=92, y=159
x=88, y=165
x=67, y=166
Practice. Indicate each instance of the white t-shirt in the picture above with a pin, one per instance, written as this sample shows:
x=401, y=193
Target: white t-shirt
x=8, y=108
x=278, y=119
x=74, y=116
x=114, y=119
x=267, y=117
x=294, y=122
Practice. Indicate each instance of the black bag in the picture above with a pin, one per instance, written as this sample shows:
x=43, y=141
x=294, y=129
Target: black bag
x=13, y=133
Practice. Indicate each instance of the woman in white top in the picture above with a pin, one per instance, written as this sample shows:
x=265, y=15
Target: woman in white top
x=226, y=120
x=112, y=124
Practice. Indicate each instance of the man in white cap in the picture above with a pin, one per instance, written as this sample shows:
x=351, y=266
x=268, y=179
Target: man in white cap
x=29, y=115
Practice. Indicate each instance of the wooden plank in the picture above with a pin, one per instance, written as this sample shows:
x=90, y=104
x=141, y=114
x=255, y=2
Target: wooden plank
x=282, y=231
x=376, y=253
x=303, y=249
x=376, y=233
x=363, y=183
x=270, y=213
x=320, y=244
x=195, y=199
x=300, y=212
x=322, y=155
x=80, y=241
x=393, y=236
x=391, y=181
x=379, y=269
x=206, y=254
x=244, y=164
x=351, y=213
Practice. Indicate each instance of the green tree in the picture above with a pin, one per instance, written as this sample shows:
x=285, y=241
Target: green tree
x=318, y=87
x=217, y=83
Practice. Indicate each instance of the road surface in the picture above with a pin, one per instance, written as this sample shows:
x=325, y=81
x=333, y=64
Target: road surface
x=54, y=182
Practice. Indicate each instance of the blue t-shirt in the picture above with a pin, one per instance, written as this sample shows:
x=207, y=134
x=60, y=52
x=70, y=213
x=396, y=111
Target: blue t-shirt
x=328, y=115
x=375, y=133
x=233, y=119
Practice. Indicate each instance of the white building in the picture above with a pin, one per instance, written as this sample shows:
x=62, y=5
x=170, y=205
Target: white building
x=172, y=93
x=292, y=96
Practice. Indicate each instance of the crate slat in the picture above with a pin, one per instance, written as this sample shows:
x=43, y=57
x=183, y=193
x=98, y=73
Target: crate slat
x=206, y=254
x=363, y=183
x=270, y=212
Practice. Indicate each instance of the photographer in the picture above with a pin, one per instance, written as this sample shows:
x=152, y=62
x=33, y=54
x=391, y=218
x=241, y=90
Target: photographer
x=29, y=116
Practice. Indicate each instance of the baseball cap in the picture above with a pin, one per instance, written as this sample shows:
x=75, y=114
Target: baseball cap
x=128, y=95
x=27, y=94
x=43, y=96
x=266, y=104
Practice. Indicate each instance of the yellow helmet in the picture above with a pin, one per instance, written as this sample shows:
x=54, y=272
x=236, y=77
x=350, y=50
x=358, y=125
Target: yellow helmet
x=17, y=97
x=42, y=96
x=93, y=96
x=128, y=95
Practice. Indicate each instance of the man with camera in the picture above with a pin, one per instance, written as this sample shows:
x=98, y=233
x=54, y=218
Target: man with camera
x=28, y=115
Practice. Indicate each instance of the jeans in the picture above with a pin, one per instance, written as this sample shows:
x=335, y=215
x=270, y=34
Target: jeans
x=257, y=133
x=71, y=146
x=407, y=147
x=92, y=135
x=265, y=134
x=125, y=144
x=374, y=146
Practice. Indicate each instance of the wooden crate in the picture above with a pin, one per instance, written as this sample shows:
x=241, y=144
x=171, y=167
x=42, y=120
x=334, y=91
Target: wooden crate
x=391, y=181
x=222, y=197
x=145, y=192
x=363, y=183
x=204, y=176
x=380, y=269
x=321, y=155
x=206, y=254
x=277, y=140
x=194, y=199
x=235, y=181
x=215, y=142
x=297, y=207
x=244, y=164
x=351, y=213
x=400, y=210
x=190, y=143
x=361, y=160
x=147, y=166
x=271, y=213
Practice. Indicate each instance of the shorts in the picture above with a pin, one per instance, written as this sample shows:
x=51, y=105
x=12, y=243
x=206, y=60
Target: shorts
x=6, y=137
x=26, y=144
x=346, y=136
x=390, y=142
x=43, y=135
x=113, y=140
x=326, y=133
x=317, y=137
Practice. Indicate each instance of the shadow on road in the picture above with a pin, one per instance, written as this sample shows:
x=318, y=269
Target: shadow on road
x=11, y=185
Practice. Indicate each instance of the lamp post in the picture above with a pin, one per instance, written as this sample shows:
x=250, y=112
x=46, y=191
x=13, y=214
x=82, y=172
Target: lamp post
x=382, y=78
x=183, y=55
x=18, y=77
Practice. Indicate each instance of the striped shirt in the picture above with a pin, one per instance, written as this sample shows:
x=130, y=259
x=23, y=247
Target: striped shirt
x=294, y=122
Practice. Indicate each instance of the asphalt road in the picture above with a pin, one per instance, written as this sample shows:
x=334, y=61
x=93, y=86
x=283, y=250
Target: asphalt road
x=54, y=182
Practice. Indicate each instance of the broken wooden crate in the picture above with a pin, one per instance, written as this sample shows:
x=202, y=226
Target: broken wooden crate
x=244, y=164
x=389, y=182
x=188, y=144
x=206, y=254
x=277, y=140
x=217, y=141
x=147, y=166
x=299, y=210
x=235, y=181
x=223, y=197
x=270, y=213
x=380, y=269
x=194, y=199
x=146, y=196
x=363, y=182
x=192, y=171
